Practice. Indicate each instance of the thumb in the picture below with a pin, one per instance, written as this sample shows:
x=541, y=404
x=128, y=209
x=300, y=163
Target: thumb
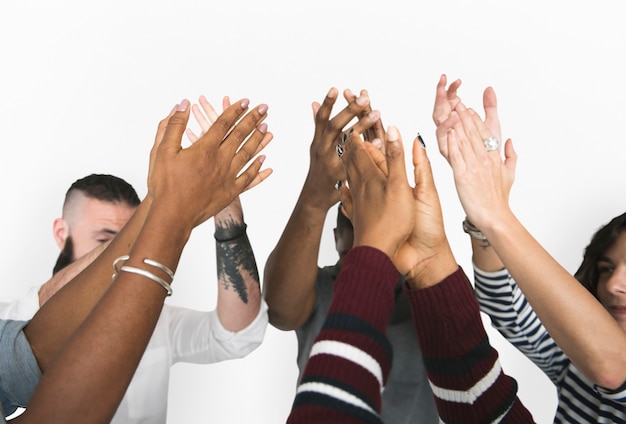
x=423, y=172
x=394, y=152
x=176, y=125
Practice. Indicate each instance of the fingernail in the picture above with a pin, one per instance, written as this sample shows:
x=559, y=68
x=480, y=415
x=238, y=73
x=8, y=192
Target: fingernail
x=262, y=158
x=361, y=100
x=377, y=142
x=392, y=133
x=374, y=115
x=350, y=132
x=344, y=137
x=421, y=140
x=263, y=128
x=262, y=109
x=460, y=107
x=338, y=185
x=182, y=106
x=331, y=93
x=339, y=150
x=244, y=103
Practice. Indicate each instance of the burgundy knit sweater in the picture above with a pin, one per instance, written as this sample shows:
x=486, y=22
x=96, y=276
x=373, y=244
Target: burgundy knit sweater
x=351, y=358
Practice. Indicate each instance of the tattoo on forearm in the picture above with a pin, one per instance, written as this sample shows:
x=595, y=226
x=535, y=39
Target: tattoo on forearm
x=234, y=260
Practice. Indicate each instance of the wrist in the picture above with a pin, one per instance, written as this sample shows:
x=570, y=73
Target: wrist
x=225, y=234
x=319, y=193
x=432, y=270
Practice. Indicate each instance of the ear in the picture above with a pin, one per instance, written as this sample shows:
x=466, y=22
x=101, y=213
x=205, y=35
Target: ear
x=60, y=232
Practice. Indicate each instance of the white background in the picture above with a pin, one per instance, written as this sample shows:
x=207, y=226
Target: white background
x=84, y=84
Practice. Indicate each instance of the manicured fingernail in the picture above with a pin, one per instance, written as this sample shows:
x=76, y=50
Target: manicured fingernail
x=244, y=103
x=421, y=140
x=339, y=150
x=361, y=100
x=262, y=109
x=338, y=185
x=262, y=158
x=374, y=115
x=350, y=132
x=344, y=137
x=263, y=128
x=393, y=134
x=182, y=106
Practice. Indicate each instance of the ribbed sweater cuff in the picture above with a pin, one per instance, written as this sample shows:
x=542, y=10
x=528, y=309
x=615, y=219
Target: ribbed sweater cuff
x=370, y=278
x=455, y=327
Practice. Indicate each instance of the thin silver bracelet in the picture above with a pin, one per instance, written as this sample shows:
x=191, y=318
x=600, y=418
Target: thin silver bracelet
x=147, y=274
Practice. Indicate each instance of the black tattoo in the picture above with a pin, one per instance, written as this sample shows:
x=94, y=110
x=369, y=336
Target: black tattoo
x=235, y=258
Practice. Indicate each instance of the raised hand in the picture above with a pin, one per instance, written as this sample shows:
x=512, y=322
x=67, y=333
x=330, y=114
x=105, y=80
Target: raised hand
x=446, y=103
x=378, y=199
x=424, y=257
x=483, y=180
x=325, y=169
x=207, y=116
x=218, y=157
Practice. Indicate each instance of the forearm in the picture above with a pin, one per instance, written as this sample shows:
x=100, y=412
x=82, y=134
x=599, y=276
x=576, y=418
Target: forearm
x=291, y=268
x=123, y=321
x=239, y=294
x=596, y=344
x=464, y=370
x=354, y=329
x=484, y=256
x=71, y=304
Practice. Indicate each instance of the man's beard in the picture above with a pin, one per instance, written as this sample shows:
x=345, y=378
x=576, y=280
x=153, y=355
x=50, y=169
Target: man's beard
x=66, y=256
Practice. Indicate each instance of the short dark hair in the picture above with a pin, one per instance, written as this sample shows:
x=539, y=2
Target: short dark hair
x=105, y=187
x=601, y=241
x=343, y=223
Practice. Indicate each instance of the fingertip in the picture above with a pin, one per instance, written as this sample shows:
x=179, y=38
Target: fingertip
x=332, y=93
x=182, y=106
x=393, y=134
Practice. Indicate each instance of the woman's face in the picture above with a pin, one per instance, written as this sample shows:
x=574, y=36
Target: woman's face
x=612, y=280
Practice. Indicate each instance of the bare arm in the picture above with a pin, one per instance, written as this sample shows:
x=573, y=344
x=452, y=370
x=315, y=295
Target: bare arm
x=291, y=268
x=72, y=303
x=483, y=180
x=239, y=292
x=90, y=375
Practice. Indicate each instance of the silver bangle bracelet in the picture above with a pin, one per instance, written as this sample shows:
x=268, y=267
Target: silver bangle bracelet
x=473, y=231
x=145, y=273
x=149, y=275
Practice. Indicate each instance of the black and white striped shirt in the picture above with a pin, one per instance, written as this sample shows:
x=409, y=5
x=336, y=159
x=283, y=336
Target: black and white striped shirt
x=579, y=400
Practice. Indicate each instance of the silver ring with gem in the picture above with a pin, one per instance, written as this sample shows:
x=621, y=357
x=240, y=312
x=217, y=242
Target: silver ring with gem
x=491, y=143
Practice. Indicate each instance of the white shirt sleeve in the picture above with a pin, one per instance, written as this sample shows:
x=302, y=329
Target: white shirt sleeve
x=199, y=337
x=22, y=309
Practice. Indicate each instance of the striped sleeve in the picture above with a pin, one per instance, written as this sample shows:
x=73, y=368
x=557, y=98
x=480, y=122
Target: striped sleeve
x=511, y=314
x=463, y=368
x=350, y=361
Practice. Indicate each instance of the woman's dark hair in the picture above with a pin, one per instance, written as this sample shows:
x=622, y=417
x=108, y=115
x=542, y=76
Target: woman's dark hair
x=601, y=241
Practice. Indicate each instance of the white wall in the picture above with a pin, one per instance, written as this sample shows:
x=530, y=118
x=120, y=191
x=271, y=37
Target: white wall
x=84, y=84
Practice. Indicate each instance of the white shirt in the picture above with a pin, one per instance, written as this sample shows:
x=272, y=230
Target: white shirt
x=181, y=335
